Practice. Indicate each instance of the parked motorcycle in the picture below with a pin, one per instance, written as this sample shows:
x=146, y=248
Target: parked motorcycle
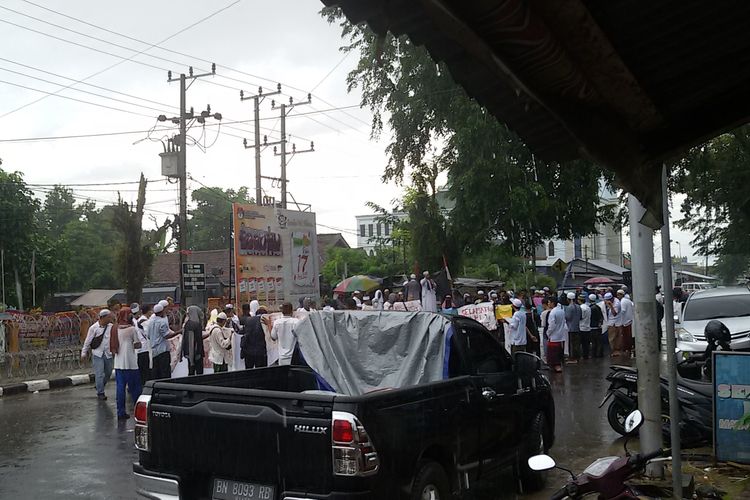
x=695, y=397
x=697, y=365
x=605, y=476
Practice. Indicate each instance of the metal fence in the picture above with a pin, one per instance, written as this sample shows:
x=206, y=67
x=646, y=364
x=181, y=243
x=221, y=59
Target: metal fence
x=50, y=343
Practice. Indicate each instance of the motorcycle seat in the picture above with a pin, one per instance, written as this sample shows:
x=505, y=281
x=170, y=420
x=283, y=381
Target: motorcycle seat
x=704, y=388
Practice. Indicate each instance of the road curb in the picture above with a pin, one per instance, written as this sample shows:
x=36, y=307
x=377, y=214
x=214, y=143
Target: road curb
x=45, y=384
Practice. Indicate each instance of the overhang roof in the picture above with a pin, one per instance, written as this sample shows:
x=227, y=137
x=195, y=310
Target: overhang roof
x=628, y=84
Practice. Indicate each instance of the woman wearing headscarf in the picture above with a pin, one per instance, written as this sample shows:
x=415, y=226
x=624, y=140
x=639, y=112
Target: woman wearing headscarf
x=123, y=345
x=192, y=340
x=377, y=302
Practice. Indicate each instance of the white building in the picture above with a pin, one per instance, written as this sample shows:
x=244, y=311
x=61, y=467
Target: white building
x=371, y=233
x=604, y=245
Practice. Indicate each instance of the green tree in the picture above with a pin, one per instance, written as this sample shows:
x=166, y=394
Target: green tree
x=716, y=207
x=60, y=208
x=135, y=253
x=92, y=244
x=344, y=262
x=501, y=191
x=18, y=227
x=209, y=223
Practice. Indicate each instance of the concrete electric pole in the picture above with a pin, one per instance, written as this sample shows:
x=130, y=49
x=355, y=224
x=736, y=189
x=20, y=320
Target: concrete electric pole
x=257, y=99
x=181, y=143
x=285, y=110
x=646, y=343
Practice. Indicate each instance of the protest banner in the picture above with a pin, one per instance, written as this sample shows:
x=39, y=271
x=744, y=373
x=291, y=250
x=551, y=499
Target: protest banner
x=484, y=313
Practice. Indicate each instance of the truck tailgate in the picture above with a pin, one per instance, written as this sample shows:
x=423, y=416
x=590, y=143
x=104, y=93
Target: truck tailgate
x=202, y=433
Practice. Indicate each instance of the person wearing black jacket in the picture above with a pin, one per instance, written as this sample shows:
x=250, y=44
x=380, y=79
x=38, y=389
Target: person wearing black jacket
x=253, y=344
x=192, y=340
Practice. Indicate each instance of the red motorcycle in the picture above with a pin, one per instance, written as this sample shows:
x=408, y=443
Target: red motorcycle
x=606, y=476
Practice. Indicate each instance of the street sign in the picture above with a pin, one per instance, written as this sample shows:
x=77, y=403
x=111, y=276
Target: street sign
x=193, y=276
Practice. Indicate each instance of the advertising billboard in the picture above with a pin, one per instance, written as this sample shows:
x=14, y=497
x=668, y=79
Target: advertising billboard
x=276, y=255
x=732, y=406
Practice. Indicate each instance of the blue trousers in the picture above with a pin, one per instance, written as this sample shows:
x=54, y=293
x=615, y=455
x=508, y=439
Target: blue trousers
x=102, y=371
x=131, y=379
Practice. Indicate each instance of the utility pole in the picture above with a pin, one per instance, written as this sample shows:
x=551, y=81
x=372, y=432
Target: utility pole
x=257, y=99
x=646, y=343
x=285, y=110
x=181, y=143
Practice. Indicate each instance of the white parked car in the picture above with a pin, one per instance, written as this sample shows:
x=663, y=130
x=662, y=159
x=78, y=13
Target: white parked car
x=729, y=305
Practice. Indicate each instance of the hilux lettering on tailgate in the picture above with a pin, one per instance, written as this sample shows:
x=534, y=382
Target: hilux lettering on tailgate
x=310, y=429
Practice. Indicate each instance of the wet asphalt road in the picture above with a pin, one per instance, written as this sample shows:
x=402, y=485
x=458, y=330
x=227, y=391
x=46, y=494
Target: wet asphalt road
x=67, y=444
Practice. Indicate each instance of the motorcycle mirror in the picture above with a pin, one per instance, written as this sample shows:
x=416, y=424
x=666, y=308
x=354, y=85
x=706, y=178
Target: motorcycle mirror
x=541, y=463
x=633, y=421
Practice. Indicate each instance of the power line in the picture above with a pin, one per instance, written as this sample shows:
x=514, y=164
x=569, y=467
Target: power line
x=166, y=129
x=119, y=62
x=70, y=99
x=157, y=45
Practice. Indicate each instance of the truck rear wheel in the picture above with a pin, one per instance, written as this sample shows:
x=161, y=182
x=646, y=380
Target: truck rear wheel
x=430, y=483
x=533, y=445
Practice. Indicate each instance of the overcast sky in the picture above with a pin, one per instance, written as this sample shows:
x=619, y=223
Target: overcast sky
x=263, y=43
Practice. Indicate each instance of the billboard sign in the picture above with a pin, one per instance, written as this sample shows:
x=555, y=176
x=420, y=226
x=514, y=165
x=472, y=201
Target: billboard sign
x=276, y=254
x=732, y=406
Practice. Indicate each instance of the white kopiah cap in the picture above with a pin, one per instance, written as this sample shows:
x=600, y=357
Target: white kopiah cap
x=517, y=303
x=158, y=308
x=571, y=295
x=607, y=296
x=104, y=312
x=221, y=316
x=592, y=297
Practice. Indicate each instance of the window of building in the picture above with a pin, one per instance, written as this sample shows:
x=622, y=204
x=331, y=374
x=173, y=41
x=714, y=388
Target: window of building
x=577, y=251
x=551, y=249
x=362, y=230
x=387, y=229
x=369, y=230
x=379, y=229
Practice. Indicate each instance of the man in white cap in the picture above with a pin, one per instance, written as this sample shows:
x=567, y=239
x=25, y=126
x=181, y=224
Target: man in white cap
x=585, y=326
x=233, y=320
x=627, y=314
x=480, y=297
x=613, y=331
x=158, y=333
x=97, y=342
x=573, y=320
x=518, y=333
x=596, y=332
x=412, y=288
x=220, y=340
x=429, y=297
x=357, y=297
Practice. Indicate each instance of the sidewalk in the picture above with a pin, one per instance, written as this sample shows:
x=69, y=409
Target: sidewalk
x=53, y=381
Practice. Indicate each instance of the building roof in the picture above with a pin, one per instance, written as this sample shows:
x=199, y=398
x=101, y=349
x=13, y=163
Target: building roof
x=696, y=275
x=166, y=267
x=95, y=297
x=628, y=84
x=328, y=240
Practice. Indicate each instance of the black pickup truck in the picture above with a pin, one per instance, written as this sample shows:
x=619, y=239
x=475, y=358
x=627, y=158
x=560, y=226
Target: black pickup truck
x=272, y=434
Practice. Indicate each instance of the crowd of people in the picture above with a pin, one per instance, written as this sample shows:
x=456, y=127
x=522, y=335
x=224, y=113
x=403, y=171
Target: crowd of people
x=562, y=328
x=133, y=342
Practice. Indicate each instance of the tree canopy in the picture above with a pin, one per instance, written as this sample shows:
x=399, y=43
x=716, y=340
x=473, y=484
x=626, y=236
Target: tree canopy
x=716, y=207
x=502, y=193
x=210, y=220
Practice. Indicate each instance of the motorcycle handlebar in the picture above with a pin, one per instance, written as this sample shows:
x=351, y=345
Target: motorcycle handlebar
x=639, y=460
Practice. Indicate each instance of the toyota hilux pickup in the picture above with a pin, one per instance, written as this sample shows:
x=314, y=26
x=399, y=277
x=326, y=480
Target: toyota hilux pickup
x=387, y=405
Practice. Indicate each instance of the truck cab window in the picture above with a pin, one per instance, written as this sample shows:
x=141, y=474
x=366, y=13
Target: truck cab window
x=485, y=354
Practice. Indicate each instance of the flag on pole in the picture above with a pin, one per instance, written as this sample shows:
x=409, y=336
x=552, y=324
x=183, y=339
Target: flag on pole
x=447, y=271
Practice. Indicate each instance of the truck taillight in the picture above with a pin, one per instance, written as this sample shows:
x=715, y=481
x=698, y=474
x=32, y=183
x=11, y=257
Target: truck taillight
x=353, y=453
x=141, y=423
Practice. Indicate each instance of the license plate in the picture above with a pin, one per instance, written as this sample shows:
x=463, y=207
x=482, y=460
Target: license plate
x=226, y=489
x=606, y=397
